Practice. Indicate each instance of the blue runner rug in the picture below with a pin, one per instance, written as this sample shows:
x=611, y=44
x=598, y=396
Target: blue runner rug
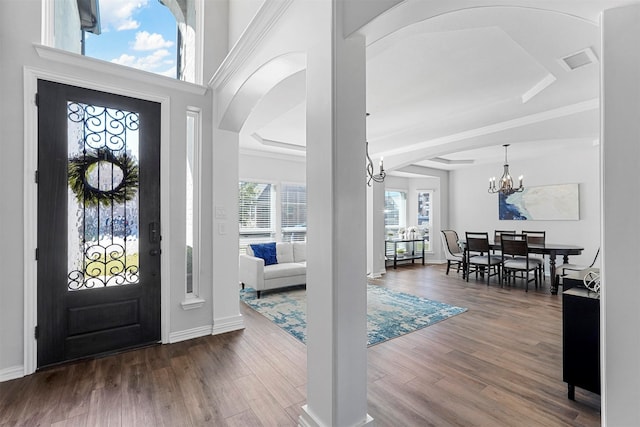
x=389, y=313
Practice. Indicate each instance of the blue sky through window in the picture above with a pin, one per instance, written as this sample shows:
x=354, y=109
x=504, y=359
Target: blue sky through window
x=140, y=34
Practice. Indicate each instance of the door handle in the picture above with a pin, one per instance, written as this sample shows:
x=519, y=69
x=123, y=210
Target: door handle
x=154, y=252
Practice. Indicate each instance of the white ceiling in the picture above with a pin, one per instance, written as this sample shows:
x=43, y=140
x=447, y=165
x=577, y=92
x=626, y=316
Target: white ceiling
x=456, y=87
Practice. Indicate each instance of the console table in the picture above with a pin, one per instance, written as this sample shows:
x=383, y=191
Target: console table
x=407, y=249
x=581, y=340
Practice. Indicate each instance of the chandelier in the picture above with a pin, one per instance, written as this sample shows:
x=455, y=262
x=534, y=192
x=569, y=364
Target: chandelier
x=505, y=186
x=379, y=177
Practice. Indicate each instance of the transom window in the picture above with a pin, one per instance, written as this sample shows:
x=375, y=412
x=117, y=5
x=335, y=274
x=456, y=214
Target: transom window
x=156, y=36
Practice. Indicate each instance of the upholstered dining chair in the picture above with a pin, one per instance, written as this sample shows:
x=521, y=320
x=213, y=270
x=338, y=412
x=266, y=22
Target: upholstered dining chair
x=478, y=256
x=516, y=259
x=452, y=250
x=563, y=269
x=537, y=238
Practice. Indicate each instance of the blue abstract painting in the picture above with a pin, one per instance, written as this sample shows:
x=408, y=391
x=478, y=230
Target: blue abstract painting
x=543, y=203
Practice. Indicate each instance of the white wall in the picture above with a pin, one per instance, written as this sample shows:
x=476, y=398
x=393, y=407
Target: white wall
x=473, y=209
x=289, y=169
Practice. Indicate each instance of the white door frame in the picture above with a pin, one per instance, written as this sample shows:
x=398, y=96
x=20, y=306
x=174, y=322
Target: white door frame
x=31, y=76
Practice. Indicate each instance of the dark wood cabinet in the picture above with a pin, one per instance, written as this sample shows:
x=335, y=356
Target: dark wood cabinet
x=571, y=282
x=581, y=340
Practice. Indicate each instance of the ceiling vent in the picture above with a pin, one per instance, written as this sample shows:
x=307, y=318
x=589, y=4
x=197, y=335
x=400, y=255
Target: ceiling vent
x=578, y=59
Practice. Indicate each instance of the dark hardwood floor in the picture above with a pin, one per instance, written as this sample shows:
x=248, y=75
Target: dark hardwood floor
x=498, y=364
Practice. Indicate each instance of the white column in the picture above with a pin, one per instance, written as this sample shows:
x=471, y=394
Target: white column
x=375, y=230
x=336, y=250
x=620, y=158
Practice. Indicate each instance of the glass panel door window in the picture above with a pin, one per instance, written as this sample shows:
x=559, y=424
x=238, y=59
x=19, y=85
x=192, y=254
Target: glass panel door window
x=102, y=196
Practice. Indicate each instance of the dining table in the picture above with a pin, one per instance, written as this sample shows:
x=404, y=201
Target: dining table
x=552, y=250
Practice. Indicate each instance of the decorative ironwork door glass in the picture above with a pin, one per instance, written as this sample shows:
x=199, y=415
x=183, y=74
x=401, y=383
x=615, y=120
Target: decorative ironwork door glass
x=102, y=197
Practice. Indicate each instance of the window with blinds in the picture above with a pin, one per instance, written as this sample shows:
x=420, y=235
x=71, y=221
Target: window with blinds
x=293, y=212
x=256, y=202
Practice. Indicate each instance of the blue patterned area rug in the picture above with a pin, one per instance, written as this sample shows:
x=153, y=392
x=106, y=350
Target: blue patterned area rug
x=389, y=313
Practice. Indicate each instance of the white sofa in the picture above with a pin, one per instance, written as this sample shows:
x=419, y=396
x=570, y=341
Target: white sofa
x=291, y=268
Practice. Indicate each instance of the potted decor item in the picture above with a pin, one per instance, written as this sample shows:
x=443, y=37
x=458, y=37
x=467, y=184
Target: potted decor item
x=402, y=233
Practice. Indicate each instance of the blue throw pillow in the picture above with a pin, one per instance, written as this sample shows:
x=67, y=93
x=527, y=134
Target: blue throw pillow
x=266, y=251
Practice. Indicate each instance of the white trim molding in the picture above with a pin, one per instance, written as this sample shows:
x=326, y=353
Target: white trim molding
x=266, y=17
x=31, y=76
x=11, y=373
x=188, y=334
x=30, y=209
x=191, y=302
x=47, y=23
x=306, y=419
x=93, y=64
x=227, y=324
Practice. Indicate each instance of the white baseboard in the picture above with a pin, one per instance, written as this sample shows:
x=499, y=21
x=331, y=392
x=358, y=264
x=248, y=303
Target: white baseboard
x=220, y=326
x=11, y=373
x=188, y=334
x=377, y=274
x=227, y=324
x=307, y=420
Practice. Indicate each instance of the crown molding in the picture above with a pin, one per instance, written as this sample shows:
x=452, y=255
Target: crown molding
x=278, y=144
x=268, y=15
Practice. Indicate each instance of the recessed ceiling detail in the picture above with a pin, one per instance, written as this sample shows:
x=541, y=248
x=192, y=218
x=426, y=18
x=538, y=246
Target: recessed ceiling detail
x=471, y=79
x=279, y=144
x=538, y=87
x=578, y=59
x=451, y=162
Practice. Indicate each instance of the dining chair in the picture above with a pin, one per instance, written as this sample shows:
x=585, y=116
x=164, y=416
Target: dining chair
x=478, y=256
x=563, y=269
x=452, y=250
x=537, y=238
x=516, y=259
x=497, y=236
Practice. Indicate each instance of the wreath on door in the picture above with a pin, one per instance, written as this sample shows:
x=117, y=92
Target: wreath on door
x=82, y=166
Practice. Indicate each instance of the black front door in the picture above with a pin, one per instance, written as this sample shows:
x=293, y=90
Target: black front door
x=98, y=223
